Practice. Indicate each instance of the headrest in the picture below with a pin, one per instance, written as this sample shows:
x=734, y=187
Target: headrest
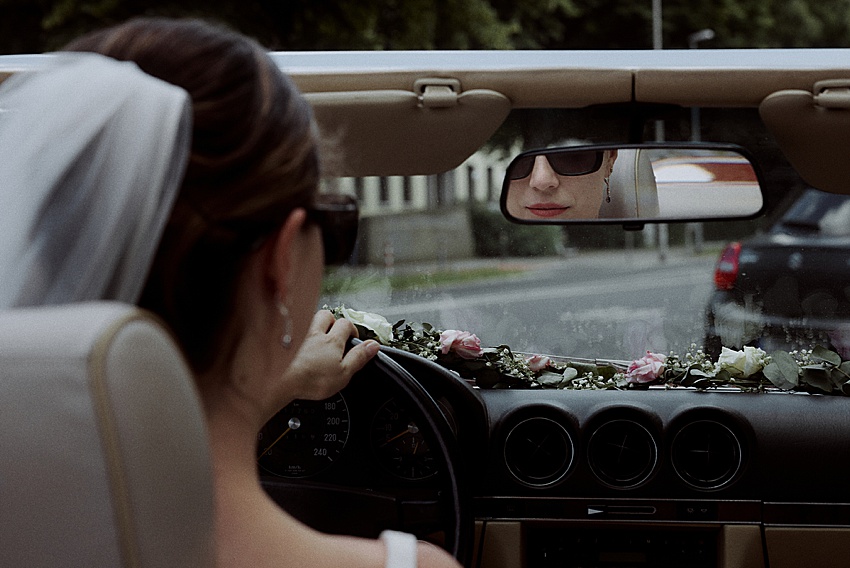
x=105, y=458
x=633, y=189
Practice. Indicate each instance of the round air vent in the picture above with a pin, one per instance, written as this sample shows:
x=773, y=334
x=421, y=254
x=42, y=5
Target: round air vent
x=622, y=453
x=538, y=452
x=706, y=454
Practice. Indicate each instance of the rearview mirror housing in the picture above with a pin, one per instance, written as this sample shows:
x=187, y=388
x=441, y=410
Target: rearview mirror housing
x=632, y=184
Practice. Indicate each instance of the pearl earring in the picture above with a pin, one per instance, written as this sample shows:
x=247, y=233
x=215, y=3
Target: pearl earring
x=286, y=338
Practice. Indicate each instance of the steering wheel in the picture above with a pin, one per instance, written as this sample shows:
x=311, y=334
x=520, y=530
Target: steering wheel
x=311, y=501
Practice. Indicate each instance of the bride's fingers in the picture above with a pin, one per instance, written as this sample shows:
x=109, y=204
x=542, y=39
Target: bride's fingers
x=322, y=322
x=342, y=329
x=359, y=355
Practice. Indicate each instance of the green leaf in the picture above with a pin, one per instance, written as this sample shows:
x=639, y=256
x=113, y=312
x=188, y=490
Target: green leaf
x=692, y=375
x=840, y=375
x=470, y=364
x=688, y=380
x=701, y=383
x=723, y=376
x=816, y=376
x=824, y=354
x=837, y=377
x=607, y=372
x=783, y=371
x=489, y=378
x=365, y=333
x=552, y=380
x=584, y=368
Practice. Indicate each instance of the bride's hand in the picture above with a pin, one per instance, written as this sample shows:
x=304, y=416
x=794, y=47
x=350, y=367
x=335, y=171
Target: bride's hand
x=322, y=367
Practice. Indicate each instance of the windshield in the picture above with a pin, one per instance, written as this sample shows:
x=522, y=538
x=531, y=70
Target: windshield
x=436, y=249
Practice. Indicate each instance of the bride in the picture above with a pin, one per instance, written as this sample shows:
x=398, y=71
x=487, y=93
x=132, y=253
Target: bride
x=191, y=188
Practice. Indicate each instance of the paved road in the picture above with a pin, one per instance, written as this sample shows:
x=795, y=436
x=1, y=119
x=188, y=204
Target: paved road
x=609, y=305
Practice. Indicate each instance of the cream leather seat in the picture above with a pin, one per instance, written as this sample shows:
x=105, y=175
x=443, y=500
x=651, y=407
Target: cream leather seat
x=104, y=459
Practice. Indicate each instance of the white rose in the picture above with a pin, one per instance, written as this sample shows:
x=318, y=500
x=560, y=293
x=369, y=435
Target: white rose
x=741, y=364
x=379, y=324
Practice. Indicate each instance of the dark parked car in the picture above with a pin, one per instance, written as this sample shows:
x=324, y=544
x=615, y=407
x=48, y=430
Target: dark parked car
x=787, y=288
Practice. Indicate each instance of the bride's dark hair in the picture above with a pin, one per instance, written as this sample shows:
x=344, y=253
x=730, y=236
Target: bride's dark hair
x=253, y=159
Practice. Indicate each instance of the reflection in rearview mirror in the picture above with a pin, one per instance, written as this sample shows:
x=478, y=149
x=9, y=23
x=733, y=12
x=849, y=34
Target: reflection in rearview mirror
x=639, y=182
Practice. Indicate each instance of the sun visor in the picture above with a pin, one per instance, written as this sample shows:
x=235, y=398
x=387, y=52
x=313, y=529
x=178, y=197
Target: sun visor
x=429, y=130
x=813, y=131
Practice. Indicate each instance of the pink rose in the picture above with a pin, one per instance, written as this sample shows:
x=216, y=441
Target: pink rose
x=465, y=344
x=537, y=362
x=646, y=369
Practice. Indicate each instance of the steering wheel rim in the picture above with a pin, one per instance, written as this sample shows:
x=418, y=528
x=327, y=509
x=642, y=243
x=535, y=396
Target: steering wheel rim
x=444, y=444
x=451, y=510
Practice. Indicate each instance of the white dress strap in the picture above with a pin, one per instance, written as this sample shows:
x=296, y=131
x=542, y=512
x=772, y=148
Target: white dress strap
x=401, y=549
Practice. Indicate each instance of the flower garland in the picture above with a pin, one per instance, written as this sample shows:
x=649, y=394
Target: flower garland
x=818, y=370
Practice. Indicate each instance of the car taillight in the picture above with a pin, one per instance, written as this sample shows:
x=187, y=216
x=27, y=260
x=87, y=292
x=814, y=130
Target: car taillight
x=726, y=271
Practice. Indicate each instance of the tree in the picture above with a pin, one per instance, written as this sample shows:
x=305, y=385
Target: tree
x=294, y=24
x=41, y=25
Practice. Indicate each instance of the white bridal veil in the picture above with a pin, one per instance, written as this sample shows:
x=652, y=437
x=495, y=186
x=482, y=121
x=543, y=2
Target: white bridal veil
x=92, y=153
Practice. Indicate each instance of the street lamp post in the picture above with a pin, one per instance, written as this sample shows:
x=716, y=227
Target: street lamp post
x=695, y=229
x=694, y=40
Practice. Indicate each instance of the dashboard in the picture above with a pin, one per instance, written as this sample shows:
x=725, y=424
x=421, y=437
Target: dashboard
x=652, y=477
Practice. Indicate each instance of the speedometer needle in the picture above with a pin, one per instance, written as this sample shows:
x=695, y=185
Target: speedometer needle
x=411, y=429
x=285, y=432
x=397, y=436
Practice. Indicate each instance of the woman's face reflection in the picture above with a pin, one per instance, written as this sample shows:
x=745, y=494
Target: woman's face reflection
x=546, y=194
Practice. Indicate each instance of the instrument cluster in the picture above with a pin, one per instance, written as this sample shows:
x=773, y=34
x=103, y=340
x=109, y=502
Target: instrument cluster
x=368, y=428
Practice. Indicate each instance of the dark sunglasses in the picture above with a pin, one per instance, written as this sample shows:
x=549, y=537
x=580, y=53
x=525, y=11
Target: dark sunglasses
x=564, y=163
x=337, y=216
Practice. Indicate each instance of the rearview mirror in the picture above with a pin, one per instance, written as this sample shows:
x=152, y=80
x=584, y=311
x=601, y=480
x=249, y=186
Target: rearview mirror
x=638, y=183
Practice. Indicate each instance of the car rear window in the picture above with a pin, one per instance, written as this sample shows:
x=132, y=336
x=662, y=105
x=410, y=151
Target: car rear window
x=815, y=210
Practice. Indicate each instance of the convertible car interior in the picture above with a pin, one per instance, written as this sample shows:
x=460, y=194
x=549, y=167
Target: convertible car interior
x=714, y=476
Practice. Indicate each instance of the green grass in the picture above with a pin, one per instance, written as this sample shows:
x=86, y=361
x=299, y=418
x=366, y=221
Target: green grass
x=336, y=282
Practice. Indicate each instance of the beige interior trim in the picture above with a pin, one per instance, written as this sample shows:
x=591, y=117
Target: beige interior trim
x=502, y=545
x=396, y=132
x=109, y=436
x=814, y=137
x=724, y=87
x=740, y=546
x=153, y=396
x=795, y=547
x=525, y=88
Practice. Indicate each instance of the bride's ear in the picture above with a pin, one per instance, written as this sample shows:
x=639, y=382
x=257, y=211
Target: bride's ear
x=283, y=255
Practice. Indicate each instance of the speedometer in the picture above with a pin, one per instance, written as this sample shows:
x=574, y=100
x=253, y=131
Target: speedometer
x=304, y=438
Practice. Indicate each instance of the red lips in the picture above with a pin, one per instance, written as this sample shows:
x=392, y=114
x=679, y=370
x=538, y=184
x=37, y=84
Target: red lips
x=547, y=209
